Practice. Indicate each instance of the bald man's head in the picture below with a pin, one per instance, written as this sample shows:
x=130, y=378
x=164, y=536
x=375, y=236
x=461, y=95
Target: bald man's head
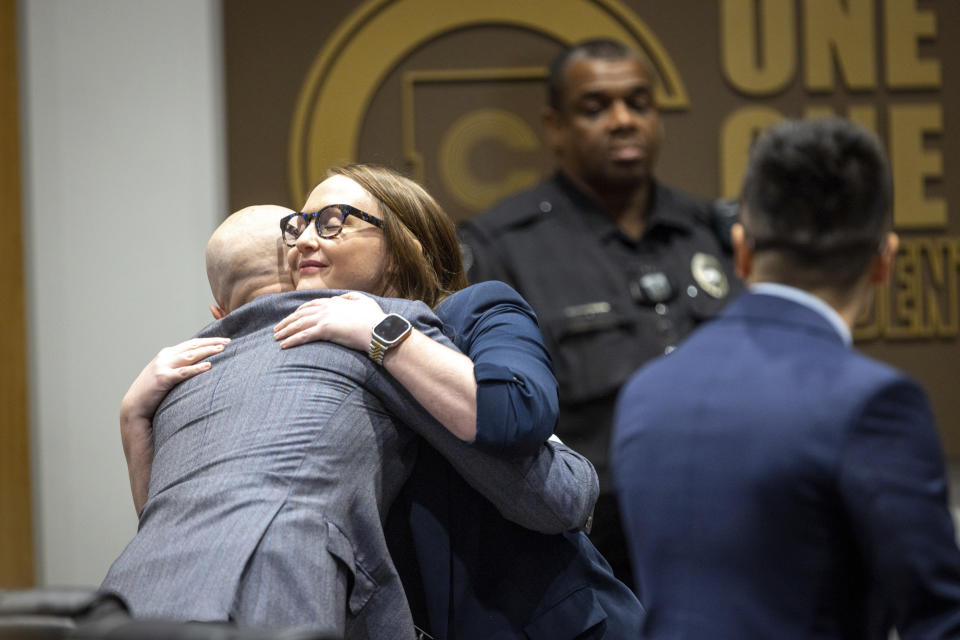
x=246, y=258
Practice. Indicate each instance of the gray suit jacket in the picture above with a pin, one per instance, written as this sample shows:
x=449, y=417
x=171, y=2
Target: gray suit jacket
x=274, y=472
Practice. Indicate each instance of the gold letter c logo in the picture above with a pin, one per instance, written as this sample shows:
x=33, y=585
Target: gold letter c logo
x=366, y=46
x=464, y=136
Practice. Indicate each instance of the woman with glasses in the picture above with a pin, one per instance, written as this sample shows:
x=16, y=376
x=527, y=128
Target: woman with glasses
x=361, y=239
x=469, y=573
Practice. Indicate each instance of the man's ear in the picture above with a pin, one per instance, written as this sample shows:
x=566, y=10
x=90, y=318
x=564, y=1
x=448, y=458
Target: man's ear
x=883, y=264
x=553, y=128
x=742, y=251
x=217, y=312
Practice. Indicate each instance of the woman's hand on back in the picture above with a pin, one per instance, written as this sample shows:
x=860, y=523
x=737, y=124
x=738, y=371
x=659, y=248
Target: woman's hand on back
x=440, y=378
x=347, y=320
x=170, y=367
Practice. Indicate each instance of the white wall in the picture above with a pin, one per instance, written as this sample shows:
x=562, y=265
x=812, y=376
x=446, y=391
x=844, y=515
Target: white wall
x=124, y=180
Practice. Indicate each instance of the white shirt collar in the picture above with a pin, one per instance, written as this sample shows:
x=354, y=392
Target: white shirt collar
x=808, y=300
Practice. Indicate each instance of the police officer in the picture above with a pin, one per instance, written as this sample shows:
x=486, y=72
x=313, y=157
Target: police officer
x=618, y=266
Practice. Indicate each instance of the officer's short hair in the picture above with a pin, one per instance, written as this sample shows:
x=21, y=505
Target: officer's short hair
x=597, y=48
x=816, y=198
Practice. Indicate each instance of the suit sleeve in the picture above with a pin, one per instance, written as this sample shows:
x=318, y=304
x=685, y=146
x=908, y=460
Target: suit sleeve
x=894, y=488
x=552, y=491
x=517, y=401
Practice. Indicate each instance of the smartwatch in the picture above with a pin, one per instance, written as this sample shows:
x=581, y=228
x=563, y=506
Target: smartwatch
x=390, y=332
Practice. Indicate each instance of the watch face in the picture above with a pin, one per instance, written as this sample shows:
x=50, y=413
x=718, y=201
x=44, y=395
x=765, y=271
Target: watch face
x=391, y=328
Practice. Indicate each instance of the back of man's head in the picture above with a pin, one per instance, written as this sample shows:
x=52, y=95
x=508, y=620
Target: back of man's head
x=246, y=257
x=816, y=203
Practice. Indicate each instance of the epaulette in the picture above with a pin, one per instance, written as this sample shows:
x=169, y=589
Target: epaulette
x=726, y=213
x=516, y=211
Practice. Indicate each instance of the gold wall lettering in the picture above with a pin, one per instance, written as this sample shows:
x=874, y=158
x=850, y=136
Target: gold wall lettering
x=923, y=297
x=906, y=289
x=758, y=65
x=758, y=44
x=847, y=35
x=905, y=25
x=914, y=164
x=838, y=40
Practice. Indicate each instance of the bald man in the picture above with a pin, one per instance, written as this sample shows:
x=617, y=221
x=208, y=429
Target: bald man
x=246, y=258
x=273, y=471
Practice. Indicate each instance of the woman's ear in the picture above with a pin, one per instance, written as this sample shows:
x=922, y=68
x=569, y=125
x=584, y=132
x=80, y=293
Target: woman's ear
x=217, y=312
x=553, y=128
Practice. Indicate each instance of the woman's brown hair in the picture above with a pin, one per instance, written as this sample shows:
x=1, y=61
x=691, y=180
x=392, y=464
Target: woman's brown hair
x=423, y=254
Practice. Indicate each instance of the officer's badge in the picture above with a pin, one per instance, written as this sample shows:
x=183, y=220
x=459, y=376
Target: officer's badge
x=708, y=274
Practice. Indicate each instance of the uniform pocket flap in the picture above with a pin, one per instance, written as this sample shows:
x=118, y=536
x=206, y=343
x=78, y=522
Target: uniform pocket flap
x=594, y=350
x=587, y=318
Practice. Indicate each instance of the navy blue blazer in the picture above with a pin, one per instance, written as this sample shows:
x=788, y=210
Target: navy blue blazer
x=470, y=574
x=776, y=484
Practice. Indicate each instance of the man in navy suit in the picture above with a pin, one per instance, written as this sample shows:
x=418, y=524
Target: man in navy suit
x=774, y=482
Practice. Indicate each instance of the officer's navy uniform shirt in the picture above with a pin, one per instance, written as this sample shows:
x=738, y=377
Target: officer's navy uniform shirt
x=606, y=303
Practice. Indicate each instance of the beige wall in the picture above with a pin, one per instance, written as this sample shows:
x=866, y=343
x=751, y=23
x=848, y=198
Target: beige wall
x=123, y=183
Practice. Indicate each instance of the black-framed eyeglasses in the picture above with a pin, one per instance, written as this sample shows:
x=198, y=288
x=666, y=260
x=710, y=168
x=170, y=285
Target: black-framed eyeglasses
x=329, y=222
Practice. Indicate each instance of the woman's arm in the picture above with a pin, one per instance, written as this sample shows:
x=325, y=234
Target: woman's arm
x=505, y=375
x=170, y=367
x=517, y=400
x=438, y=377
x=551, y=488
